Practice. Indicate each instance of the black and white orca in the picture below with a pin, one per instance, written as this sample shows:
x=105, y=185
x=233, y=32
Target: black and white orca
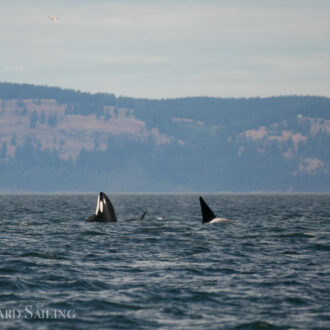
x=208, y=215
x=105, y=212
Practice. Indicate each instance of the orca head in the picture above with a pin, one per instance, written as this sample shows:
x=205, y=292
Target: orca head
x=104, y=210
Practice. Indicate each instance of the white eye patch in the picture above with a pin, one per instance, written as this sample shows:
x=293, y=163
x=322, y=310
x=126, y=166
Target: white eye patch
x=101, y=207
x=97, y=204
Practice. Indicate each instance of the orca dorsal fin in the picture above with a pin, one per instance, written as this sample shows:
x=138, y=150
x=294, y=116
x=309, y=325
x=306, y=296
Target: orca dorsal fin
x=207, y=213
x=143, y=215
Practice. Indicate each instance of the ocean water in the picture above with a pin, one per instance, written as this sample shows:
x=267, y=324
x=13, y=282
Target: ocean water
x=267, y=269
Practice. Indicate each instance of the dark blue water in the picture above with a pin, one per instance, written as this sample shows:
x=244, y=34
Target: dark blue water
x=267, y=269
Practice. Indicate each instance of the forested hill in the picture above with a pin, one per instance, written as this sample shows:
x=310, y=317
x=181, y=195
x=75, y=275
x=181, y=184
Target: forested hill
x=54, y=139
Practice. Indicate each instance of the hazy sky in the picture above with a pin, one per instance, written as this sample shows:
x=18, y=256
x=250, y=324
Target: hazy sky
x=169, y=48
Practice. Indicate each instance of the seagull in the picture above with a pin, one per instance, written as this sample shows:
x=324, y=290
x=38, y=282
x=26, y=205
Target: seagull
x=53, y=19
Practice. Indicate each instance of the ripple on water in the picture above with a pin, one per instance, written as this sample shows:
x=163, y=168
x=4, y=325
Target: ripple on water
x=268, y=269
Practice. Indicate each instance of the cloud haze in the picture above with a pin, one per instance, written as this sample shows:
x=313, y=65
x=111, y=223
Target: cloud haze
x=169, y=48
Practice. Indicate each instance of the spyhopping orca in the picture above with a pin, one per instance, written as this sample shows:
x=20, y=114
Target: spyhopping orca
x=208, y=215
x=105, y=211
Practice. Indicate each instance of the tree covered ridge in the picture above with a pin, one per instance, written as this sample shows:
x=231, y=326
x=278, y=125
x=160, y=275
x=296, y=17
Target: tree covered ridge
x=186, y=144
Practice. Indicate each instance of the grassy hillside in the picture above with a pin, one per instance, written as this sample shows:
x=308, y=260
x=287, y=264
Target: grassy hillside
x=53, y=139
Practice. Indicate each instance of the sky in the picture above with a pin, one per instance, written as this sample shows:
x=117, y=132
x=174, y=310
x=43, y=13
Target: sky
x=169, y=48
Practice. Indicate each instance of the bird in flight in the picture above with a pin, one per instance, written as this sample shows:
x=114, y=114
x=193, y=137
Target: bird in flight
x=53, y=19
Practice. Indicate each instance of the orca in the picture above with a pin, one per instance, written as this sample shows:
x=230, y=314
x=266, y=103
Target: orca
x=141, y=217
x=208, y=215
x=105, y=212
